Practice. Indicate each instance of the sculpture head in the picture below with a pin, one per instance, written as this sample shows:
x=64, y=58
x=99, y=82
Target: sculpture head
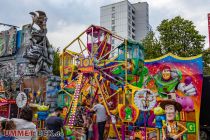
x=39, y=18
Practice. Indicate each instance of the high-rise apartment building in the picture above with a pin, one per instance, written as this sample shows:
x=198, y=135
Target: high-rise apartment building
x=125, y=19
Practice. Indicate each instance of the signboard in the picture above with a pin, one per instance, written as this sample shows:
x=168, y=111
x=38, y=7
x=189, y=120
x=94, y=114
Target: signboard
x=4, y=107
x=4, y=111
x=86, y=64
x=7, y=101
x=21, y=100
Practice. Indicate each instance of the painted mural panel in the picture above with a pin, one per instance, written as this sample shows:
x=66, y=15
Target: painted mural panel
x=178, y=79
x=8, y=42
x=7, y=69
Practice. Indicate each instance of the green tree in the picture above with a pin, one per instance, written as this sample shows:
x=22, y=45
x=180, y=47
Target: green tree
x=152, y=46
x=206, y=59
x=56, y=63
x=180, y=37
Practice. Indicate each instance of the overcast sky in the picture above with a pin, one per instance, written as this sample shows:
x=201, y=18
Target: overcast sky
x=68, y=18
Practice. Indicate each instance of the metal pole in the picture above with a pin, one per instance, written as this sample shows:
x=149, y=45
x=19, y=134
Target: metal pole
x=145, y=129
x=91, y=54
x=9, y=110
x=62, y=73
x=107, y=53
x=4, y=24
x=126, y=71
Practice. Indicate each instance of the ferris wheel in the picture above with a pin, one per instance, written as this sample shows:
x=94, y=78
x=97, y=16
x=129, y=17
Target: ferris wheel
x=96, y=65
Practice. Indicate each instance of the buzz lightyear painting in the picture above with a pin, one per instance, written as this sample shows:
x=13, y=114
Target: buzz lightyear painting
x=168, y=80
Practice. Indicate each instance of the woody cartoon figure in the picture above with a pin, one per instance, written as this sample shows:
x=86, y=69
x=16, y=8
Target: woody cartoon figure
x=172, y=130
x=146, y=101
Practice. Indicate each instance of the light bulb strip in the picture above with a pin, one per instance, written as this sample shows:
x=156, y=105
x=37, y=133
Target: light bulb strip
x=75, y=101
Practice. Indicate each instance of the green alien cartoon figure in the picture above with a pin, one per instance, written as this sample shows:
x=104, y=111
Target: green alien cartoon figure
x=128, y=113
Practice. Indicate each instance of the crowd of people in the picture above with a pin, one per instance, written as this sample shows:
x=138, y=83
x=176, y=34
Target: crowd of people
x=85, y=121
x=24, y=122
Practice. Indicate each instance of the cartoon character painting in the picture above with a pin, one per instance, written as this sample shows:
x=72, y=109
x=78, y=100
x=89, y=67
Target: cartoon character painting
x=128, y=113
x=168, y=80
x=144, y=99
x=160, y=117
x=171, y=131
x=179, y=80
x=186, y=102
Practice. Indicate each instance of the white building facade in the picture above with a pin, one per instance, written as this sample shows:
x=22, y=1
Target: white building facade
x=128, y=20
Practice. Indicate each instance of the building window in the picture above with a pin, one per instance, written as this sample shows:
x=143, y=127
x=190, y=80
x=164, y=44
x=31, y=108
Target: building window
x=133, y=24
x=129, y=8
x=129, y=14
x=133, y=11
x=133, y=30
x=113, y=28
x=133, y=18
x=113, y=15
x=113, y=22
x=129, y=20
x=129, y=33
x=113, y=9
x=133, y=36
x=129, y=27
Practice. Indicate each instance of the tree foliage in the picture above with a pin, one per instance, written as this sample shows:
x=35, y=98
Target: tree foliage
x=178, y=36
x=206, y=59
x=152, y=47
x=56, y=63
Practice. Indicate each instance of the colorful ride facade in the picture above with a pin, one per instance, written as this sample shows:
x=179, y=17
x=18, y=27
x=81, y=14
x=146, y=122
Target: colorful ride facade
x=129, y=87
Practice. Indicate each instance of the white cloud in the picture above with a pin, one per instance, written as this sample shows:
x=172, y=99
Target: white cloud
x=62, y=36
x=194, y=10
x=67, y=18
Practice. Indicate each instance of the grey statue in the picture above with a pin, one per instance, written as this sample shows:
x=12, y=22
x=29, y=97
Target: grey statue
x=39, y=52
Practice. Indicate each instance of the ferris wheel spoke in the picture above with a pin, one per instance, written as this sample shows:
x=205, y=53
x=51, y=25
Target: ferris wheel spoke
x=111, y=77
x=112, y=95
x=100, y=45
x=107, y=53
x=111, y=51
x=105, y=40
x=83, y=44
x=82, y=50
x=111, y=67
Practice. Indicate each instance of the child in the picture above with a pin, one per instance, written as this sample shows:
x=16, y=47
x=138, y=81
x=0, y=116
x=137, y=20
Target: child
x=79, y=134
x=83, y=137
x=90, y=129
x=7, y=125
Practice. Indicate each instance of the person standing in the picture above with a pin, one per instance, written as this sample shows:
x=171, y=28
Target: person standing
x=55, y=123
x=90, y=129
x=101, y=118
x=7, y=125
x=25, y=123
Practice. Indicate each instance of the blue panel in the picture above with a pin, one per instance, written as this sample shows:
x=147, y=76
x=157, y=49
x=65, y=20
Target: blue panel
x=18, y=39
